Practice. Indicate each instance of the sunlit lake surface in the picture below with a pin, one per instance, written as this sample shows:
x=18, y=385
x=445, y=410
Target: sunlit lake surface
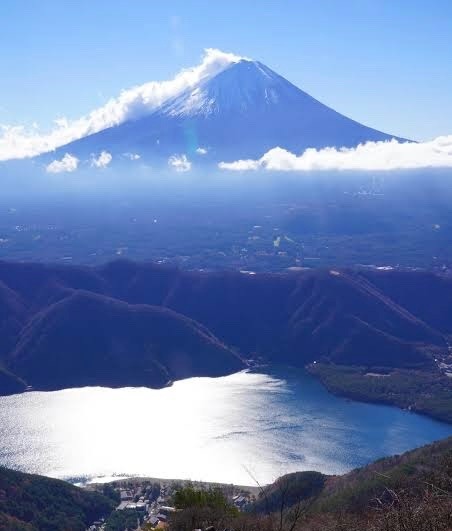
x=227, y=429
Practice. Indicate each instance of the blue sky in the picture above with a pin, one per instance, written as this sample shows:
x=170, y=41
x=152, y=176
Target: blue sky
x=384, y=63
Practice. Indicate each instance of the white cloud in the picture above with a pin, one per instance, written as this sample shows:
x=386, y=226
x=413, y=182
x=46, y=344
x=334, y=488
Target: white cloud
x=102, y=161
x=371, y=156
x=245, y=164
x=201, y=151
x=132, y=156
x=179, y=163
x=68, y=163
x=20, y=142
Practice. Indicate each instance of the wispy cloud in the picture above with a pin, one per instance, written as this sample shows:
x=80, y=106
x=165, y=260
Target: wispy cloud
x=371, y=156
x=102, y=161
x=20, y=142
x=132, y=156
x=177, y=39
x=68, y=163
x=180, y=163
x=201, y=151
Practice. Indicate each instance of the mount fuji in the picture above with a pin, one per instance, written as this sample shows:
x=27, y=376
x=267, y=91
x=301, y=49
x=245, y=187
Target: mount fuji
x=241, y=112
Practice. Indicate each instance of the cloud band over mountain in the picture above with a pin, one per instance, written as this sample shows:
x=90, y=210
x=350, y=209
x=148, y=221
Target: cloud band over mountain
x=17, y=142
x=370, y=156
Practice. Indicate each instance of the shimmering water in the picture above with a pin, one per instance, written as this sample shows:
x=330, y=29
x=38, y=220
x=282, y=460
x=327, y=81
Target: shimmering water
x=226, y=429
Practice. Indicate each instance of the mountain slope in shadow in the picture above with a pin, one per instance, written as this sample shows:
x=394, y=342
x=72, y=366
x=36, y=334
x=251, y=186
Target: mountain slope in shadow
x=90, y=339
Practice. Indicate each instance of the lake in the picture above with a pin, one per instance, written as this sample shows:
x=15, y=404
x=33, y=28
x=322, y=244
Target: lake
x=231, y=429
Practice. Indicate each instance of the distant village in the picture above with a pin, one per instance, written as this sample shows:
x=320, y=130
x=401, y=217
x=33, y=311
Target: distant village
x=152, y=500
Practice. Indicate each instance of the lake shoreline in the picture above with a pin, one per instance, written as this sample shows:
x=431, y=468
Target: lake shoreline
x=329, y=375
x=348, y=382
x=221, y=430
x=254, y=489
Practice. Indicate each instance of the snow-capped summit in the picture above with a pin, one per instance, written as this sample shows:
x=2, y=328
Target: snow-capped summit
x=241, y=112
x=241, y=87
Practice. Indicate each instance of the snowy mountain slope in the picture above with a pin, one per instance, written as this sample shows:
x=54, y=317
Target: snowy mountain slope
x=241, y=112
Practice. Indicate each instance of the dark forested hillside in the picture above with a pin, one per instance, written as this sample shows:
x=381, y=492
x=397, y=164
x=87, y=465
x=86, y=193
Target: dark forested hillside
x=90, y=339
x=10, y=383
x=37, y=503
